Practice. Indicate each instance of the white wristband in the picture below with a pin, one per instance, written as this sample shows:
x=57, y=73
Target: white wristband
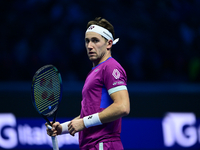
x=92, y=120
x=65, y=127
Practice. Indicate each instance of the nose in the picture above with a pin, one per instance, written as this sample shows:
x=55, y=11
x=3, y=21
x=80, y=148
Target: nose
x=89, y=45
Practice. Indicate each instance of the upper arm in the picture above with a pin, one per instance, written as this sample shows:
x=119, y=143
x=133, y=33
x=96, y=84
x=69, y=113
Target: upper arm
x=121, y=99
x=119, y=108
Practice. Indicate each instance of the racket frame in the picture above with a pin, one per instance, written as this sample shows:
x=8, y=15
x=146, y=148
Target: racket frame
x=55, y=110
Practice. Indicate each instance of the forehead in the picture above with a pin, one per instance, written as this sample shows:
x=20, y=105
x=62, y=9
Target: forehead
x=92, y=35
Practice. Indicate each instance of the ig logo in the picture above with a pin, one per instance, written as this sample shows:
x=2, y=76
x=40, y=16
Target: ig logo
x=179, y=128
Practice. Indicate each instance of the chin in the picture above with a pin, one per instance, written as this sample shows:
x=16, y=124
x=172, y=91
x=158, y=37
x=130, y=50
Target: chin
x=92, y=58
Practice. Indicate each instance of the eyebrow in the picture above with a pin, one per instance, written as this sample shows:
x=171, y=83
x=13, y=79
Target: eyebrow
x=92, y=38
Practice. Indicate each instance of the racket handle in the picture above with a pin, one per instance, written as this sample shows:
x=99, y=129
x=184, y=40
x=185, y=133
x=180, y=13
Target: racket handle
x=54, y=140
x=55, y=143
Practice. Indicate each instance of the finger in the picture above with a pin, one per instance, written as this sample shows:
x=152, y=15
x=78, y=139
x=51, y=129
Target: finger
x=54, y=134
x=48, y=129
x=70, y=124
x=70, y=130
x=50, y=126
x=49, y=133
x=46, y=124
x=55, y=125
x=73, y=132
x=70, y=127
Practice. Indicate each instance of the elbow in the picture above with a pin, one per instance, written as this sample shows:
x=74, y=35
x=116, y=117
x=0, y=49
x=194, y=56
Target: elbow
x=125, y=111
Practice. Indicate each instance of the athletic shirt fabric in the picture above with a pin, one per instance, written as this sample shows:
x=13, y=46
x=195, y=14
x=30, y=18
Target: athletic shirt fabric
x=104, y=79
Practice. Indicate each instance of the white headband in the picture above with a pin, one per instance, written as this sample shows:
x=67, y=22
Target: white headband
x=102, y=31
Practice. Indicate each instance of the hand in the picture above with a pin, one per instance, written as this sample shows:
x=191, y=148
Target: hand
x=56, y=129
x=76, y=126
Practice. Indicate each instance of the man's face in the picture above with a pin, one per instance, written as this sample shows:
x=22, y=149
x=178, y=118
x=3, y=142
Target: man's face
x=96, y=46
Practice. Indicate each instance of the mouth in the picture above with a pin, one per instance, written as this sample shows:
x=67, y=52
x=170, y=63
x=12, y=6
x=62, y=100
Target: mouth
x=91, y=53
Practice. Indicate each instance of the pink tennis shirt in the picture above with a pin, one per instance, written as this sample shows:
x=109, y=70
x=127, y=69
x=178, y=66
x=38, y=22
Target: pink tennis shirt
x=104, y=79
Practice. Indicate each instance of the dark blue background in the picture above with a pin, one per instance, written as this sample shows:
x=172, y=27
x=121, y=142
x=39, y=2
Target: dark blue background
x=159, y=48
x=159, y=39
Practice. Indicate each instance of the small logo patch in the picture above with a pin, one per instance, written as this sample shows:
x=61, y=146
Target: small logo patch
x=91, y=27
x=114, y=83
x=116, y=74
x=96, y=70
x=90, y=117
x=118, y=83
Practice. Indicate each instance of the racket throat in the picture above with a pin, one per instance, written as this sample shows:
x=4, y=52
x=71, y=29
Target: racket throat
x=46, y=120
x=54, y=118
x=55, y=115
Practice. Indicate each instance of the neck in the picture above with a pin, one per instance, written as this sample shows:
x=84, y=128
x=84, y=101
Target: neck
x=101, y=60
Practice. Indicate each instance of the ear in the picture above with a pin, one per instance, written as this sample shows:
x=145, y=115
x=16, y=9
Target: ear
x=109, y=44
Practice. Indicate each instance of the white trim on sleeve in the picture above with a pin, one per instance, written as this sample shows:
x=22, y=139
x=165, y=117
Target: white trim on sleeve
x=118, y=88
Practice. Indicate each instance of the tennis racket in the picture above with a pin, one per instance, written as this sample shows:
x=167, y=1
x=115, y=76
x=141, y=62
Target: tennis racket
x=46, y=92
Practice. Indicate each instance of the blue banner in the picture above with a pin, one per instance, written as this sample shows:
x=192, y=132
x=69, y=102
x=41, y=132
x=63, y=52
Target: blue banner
x=173, y=131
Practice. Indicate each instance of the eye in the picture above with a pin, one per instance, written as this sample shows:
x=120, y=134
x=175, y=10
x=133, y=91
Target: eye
x=86, y=41
x=95, y=40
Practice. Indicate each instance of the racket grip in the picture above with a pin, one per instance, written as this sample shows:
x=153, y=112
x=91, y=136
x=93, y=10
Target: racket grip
x=54, y=140
x=55, y=143
x=49, y=127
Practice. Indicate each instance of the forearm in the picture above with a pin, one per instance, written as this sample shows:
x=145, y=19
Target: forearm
x=78, y=117
x=119, y=108
x=111, y=113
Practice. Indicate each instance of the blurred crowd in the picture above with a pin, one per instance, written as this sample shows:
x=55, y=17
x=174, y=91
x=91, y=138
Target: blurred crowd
x=159, y=39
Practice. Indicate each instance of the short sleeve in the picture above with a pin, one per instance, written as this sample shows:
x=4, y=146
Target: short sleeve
x=115, y=78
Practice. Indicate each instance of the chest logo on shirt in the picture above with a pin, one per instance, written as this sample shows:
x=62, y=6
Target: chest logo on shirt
x=116, y=74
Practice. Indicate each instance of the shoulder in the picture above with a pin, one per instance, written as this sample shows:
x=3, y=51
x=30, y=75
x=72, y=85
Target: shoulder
x=112, y=61
x=113, y=71
x=113, y=66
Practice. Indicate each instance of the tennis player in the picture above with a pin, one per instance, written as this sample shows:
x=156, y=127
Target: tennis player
x=105, y=99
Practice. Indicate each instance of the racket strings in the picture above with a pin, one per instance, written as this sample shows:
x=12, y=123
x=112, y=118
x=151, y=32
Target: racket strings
x=47, y=90
x=43, y=101
x=43, y=105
